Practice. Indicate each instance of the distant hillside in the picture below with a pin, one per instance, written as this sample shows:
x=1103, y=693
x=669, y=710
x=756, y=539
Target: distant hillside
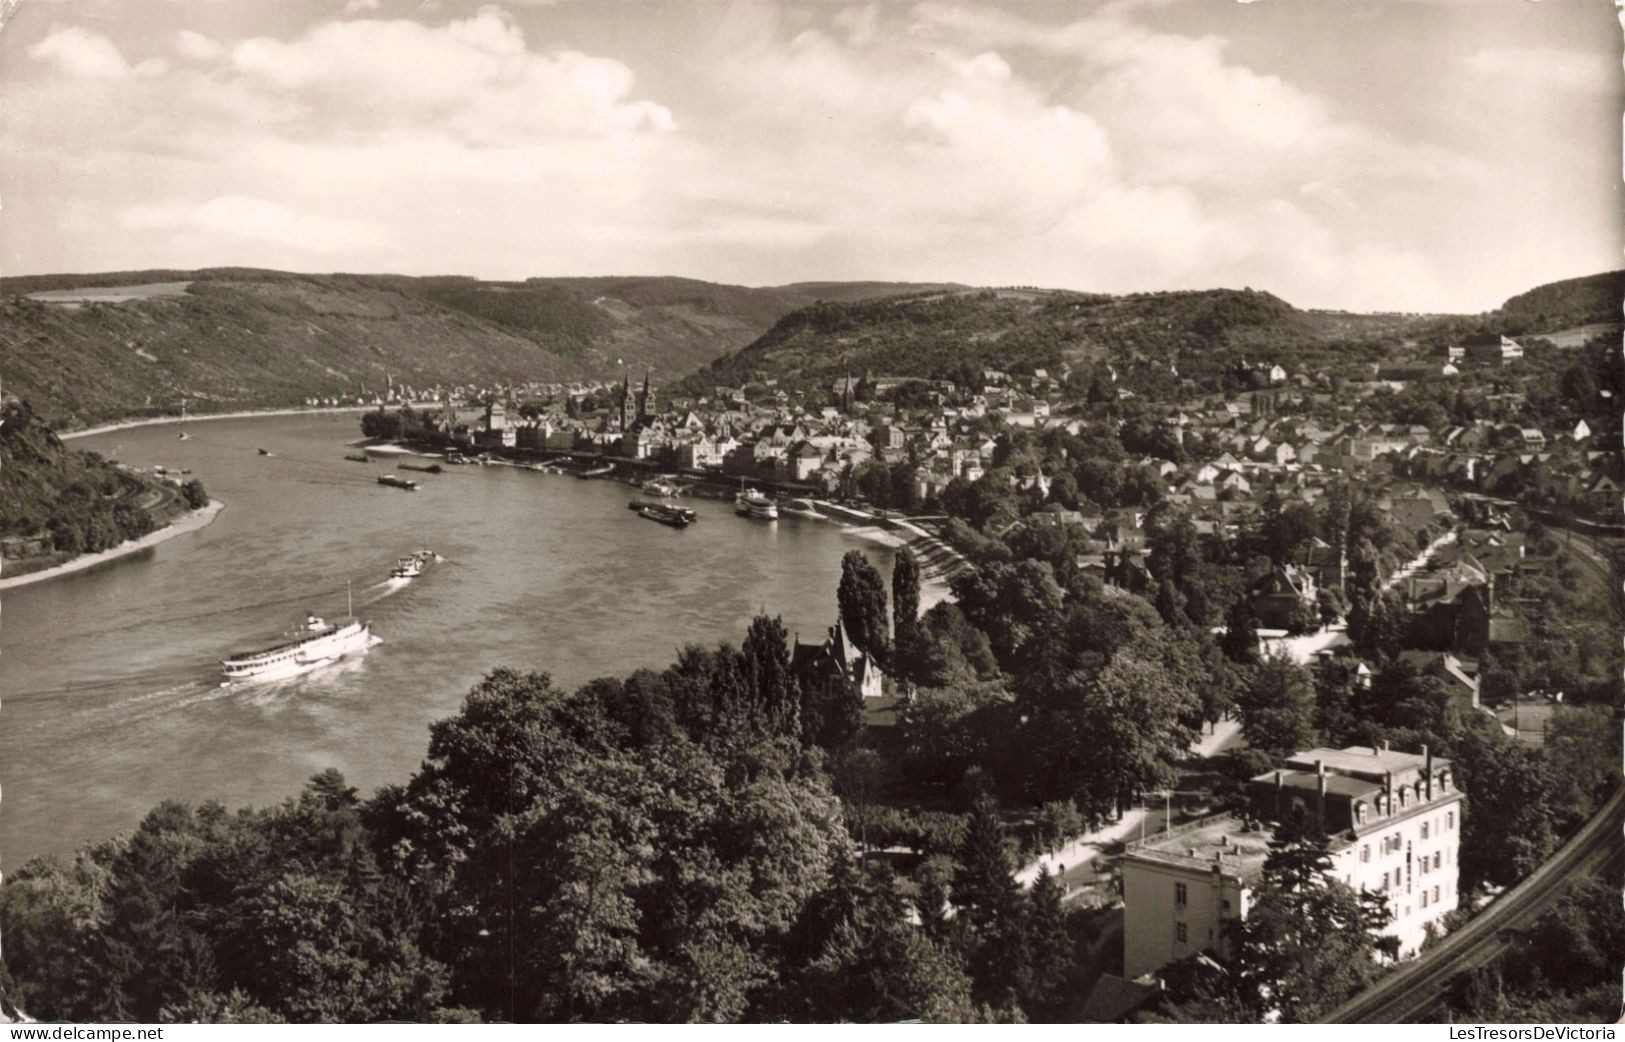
x=1572, y=302
x=950, y=335
x=242, y=338
x=1567, y=313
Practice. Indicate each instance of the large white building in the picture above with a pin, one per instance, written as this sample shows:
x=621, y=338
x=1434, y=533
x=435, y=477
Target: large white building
x=1393, y=819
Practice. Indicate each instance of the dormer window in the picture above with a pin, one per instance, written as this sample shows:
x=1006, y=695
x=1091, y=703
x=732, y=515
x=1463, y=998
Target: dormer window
x=1403, y=798
x=1444, y=781
x=1359, y=812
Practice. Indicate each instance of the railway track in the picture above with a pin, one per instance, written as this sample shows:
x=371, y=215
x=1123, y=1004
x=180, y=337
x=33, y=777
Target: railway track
x=1420, y=986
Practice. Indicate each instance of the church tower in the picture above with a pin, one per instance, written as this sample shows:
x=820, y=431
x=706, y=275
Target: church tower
x=626, y=402
x=646, y=401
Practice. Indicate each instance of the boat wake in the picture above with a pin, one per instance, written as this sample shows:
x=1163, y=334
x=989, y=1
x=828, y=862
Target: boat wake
x=385, y=588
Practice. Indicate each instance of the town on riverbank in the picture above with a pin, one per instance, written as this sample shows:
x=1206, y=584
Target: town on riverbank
x=1382, y=571
x=1176, y=623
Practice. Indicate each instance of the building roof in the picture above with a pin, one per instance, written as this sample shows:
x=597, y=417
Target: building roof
x=1113, y=998
x=1362, y=761
x=1221, y=840
x=1336, y=784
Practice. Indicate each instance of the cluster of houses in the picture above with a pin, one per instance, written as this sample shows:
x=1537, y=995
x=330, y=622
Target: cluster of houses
x=1566, y=468
x=816, y=447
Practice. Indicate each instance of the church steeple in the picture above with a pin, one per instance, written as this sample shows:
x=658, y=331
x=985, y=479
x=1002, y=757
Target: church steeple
x=646, y=402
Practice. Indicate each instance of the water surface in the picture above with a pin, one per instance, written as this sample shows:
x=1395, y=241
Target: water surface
x=111, y=699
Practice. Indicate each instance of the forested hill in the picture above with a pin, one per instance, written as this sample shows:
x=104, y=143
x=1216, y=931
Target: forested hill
x=56, y=502
x=1572, y=302
x=233, y=338
x=941, y=335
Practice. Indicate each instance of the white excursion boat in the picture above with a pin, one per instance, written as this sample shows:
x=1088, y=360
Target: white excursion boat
x=754, y=504
x=311, y=646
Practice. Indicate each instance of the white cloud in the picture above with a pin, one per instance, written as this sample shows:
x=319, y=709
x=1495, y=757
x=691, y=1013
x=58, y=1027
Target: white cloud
x=1547, y=67
x=80, y=52
x=196, y=46
x=358, y=6
x=874, y=141
x=251, y=220
x=475, y=76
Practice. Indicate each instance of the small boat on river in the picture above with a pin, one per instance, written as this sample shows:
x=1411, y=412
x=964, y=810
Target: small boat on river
x=433, y=468
x=394, y=482
x=800, y=508
x=662, y=486
x=596, y=472
x=661, y=510
x=676, y=517
x=263, y=452
x=358, y=457
x=407, y=568
x=754, y=504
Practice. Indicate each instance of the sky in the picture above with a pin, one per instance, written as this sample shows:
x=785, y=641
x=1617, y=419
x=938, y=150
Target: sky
x=1405, y=155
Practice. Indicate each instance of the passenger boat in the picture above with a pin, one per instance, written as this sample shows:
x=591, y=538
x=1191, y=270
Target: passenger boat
x=311, y=646
x=394, y=482
x=800, y=508
x=754, y=504
x=358, y=457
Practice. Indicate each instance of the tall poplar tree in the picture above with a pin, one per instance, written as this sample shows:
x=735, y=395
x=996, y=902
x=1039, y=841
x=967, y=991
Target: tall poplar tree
x=862, y=599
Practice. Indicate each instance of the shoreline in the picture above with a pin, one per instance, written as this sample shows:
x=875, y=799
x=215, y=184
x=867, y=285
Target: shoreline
x=246, y=414
x=191, y=522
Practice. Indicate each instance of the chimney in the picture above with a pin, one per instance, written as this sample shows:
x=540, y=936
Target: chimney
x=1280, y=783
x=1427, y=769
x=1385, y=745
x=1320, y=798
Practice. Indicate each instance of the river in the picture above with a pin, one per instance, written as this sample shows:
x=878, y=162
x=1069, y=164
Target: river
x=111, y=697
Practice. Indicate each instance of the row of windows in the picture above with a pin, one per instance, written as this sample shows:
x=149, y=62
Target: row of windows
x=1391, y=880
x=1406, y=795
x=1396, y=842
